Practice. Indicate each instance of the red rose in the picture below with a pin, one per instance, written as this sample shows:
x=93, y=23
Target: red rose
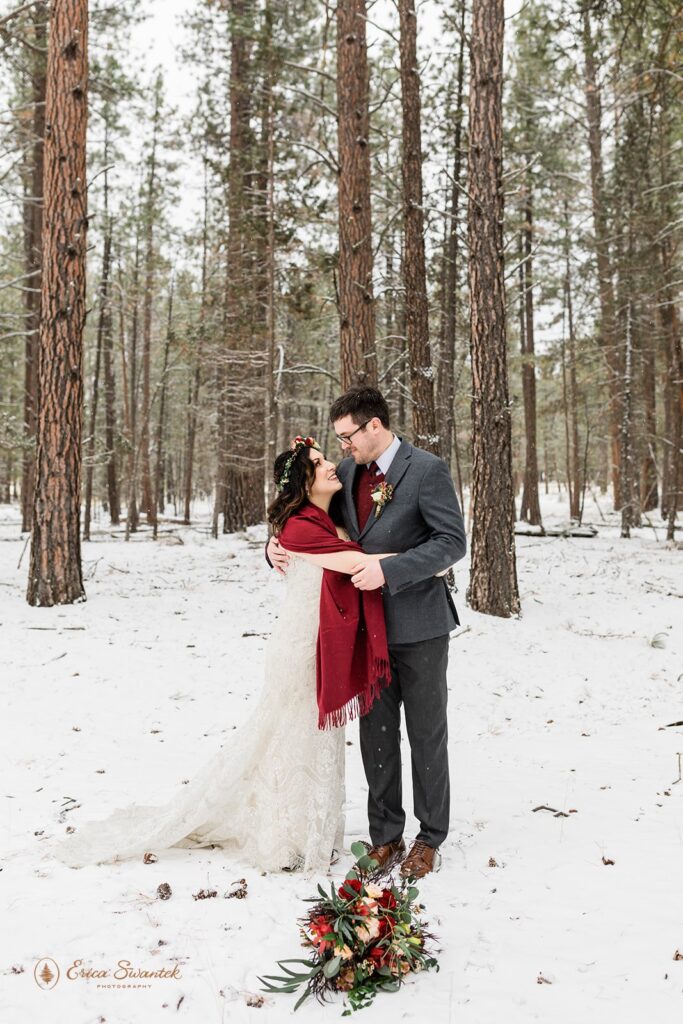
x=387, y=900
x=377, y=954
x=386, y=924
x=350, y=888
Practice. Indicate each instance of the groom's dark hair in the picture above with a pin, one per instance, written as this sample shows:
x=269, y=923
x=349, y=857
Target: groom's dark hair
x=361, y=403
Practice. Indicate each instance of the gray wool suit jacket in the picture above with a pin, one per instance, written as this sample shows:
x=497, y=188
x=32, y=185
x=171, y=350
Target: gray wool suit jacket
x=424, y=523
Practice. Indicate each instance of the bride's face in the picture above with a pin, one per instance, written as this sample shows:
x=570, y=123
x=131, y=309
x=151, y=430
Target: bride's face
x=326, y=481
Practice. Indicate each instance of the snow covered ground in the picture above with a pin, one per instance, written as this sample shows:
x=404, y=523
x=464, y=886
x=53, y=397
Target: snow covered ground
x=125, y=695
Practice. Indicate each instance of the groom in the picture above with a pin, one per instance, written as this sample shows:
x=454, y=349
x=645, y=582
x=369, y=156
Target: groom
x=420, y=519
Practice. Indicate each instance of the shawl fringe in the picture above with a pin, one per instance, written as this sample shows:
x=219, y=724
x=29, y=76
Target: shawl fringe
x=362, y=702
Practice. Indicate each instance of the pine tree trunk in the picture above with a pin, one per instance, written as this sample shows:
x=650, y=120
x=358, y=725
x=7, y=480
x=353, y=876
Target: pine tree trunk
x=575, y=472
x=451, y=276
x=670, y=324
x=34, y=260
x=626, y=453
x=103, y=327
x=269, y=406
x=239, y=483
x=132, y=513
x=221, y=488
x=530, y=510
x=649, y=493
x=194, y=381
x=356, y=302
x=608, y=337
x=263, y=234
x=125, y=390
x=55, y=575
x=158, y=478
x=493, y=579
x=425, y=430
x=110, y=397
x=95, y=393
x=627, y=327
x=672, y=485
x=147, y=298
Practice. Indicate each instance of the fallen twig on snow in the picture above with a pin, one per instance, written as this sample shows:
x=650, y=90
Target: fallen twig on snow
x=555, y=812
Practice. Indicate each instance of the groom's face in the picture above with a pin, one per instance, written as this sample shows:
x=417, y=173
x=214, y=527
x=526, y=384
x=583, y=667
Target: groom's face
x=364, y=445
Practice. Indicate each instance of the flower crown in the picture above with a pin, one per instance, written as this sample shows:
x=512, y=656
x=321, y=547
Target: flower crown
x=297, y=444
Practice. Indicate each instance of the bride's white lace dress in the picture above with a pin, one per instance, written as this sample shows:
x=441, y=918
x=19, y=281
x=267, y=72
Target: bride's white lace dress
x=273, y=795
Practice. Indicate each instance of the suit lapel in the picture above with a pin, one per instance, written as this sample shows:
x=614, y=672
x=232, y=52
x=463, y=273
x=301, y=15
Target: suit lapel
x=399, y=465
x=348, y=497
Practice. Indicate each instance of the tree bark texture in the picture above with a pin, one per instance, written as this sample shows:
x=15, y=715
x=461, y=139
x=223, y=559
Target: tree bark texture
x=356, y=301
x=574, y=472
x=159, y=503
x=649, y=490
x=147, y=298
x=33, y=221
x=451, y=277
x=194, y=382
x=608, y=327
x=493, y=579
x=89, y=445
x=239, y=490
x=55, y=575
x=110, y=390
x=425, y=430
x=132, y=513
x=530, y=510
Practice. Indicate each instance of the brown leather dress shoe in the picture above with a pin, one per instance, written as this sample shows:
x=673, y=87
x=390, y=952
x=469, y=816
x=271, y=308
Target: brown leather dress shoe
x=420, y=861
x=387, y=854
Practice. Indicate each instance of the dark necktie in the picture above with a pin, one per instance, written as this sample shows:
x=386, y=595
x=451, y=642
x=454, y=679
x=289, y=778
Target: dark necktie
x=366, y=479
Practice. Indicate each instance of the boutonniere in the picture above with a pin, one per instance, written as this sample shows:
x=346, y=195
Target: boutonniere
x=381, y=494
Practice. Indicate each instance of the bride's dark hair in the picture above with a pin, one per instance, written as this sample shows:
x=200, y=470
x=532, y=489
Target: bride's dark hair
x=293, y=493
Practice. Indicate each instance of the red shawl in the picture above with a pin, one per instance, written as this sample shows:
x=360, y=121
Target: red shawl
x=352, y=659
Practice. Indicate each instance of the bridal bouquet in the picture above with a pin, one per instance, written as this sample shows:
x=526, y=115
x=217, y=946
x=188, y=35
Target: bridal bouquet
x=365, y=938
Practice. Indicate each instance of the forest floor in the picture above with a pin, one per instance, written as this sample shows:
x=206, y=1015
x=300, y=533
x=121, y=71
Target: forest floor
x=125, y=695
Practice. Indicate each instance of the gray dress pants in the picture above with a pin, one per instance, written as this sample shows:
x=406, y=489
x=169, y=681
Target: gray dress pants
x=418, y=681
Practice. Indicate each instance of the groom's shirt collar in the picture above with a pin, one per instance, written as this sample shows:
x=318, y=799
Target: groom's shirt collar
x=387, y=457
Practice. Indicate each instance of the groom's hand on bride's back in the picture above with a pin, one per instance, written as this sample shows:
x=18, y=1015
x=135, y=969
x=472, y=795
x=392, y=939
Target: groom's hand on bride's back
x=277, y=556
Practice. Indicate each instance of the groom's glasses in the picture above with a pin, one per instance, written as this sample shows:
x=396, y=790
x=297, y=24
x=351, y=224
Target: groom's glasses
x=345, y=438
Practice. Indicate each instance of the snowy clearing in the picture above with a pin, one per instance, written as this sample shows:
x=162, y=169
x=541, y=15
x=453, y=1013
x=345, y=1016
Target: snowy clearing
x=124, y=696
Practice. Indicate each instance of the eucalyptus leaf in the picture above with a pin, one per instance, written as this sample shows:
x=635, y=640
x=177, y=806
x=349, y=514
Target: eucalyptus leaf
x=286, y=980
x=365, y=862
x=296, y=960
x=288, y=987
x=389, y=986
x=331, y=968
x=302, y=998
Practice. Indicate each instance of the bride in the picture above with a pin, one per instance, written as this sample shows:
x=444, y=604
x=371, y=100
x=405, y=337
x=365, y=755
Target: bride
x=273, y=795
